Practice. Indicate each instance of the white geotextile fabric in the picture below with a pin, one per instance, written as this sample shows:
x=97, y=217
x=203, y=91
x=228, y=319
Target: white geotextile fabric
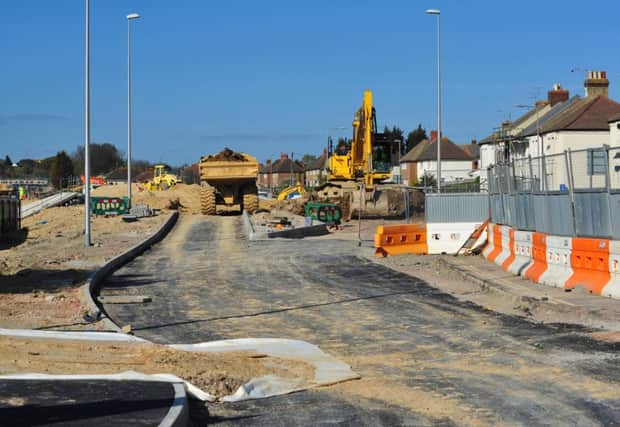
x=328, y=370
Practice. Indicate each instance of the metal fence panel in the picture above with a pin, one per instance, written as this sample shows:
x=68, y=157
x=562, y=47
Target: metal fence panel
x=497, y=208
x=592, y=214
x=553, y=214
x=614, y=208
x=457, y=207
x=523, y=217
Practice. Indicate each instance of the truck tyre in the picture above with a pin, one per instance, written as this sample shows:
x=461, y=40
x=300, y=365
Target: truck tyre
x=250, y=198
x=207, y=199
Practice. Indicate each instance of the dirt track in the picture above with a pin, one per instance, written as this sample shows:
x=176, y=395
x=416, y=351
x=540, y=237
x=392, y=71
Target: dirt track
x=425, y=357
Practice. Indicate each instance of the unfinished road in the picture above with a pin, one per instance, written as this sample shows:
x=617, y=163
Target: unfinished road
x=425, y=358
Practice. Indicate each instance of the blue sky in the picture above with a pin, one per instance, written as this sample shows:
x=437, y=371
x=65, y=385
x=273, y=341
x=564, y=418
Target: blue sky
x=271, y=76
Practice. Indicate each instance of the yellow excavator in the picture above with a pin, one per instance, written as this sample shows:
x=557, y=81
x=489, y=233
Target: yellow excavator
x=292, y=192
x=357, y=171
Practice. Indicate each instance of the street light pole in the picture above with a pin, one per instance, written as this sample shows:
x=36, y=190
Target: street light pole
x=437, y=12
x=130, y=17
x=87, y=240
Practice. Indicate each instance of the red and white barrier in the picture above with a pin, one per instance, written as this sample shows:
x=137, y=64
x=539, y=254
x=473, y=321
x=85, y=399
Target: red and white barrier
x=564, y=262
x=559, y=268
x=522, y=256
x=612, y=289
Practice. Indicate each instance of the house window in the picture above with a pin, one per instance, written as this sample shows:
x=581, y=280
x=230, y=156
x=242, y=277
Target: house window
x=596, y=161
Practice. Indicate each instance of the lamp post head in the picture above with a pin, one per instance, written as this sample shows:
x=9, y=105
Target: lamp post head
x=132, y=16
x=433, y=11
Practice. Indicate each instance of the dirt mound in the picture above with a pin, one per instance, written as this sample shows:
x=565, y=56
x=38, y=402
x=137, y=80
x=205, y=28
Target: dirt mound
x=185, y=197
x=226, y=155
x=219, y=374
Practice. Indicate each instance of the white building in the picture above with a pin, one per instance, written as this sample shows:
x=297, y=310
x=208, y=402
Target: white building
x=456, y=164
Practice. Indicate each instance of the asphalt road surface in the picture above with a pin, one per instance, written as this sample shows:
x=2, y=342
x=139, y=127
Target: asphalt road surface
x=425, y=358
x=94, y=403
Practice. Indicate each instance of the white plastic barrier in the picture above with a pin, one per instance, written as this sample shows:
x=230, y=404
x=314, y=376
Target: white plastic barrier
x=490, y=245
x=522, y=253
x=448, y=238
x=612, y=289
x=505, y=230
x=558, y=261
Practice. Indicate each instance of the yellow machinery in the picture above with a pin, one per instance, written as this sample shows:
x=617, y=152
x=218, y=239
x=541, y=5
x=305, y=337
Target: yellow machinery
x=356, y=172
x=228, y=179
x=292, y=192
x=162, y=180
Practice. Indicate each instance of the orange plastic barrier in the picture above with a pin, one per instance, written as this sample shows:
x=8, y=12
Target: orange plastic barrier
x=590, y=262
x=539, y=256
x=400, y=239
x=511, y=247
x=497, y=243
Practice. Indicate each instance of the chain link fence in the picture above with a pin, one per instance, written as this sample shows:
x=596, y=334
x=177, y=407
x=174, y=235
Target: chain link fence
x=574, y=193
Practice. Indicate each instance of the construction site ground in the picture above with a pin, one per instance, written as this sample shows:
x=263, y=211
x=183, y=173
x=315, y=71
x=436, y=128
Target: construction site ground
x=434, y=344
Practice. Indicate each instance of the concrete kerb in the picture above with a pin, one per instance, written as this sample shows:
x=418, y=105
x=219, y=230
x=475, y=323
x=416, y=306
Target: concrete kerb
x=248, y=226
x=485, y=284
x=94, y=282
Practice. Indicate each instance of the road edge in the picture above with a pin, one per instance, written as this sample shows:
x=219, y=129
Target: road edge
x=93, y=284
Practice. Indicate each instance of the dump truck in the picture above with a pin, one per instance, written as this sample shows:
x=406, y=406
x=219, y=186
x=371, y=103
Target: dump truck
x=228, y=179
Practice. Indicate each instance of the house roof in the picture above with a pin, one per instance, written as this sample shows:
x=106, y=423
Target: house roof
x=615, y=118
x=590, y=113
x=427, y=150
x=117, y=174
x=514, y=128
x=555, y=111
x=320, y=163
x=472, y=149
x=283, y=165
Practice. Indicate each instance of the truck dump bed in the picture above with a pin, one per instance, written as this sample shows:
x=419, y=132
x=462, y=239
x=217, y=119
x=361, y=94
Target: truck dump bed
x=228, y=165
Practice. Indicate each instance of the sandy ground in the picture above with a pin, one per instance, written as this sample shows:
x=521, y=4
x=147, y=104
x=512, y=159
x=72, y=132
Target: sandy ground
x=42, y=269
x=188, y=196
x=40, y=277
x=220, y=374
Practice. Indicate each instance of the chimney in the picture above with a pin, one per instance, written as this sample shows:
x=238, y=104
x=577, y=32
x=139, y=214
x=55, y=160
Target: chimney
x=557, y=95
x=433, y=135
x=596, y=84
x=283, y=156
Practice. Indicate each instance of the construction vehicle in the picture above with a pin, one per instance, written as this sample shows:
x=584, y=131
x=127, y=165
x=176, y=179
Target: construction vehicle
x=294, y=192
x=162, y=180
x=357, y=172
x=228, y=179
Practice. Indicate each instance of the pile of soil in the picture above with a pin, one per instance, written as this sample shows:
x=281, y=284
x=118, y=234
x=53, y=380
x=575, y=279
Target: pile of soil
x=220, y=374
x=185, y=197
x=226, y=155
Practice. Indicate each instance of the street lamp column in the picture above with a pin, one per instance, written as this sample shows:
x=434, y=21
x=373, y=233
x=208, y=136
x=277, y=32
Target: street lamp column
x=437, y=13
x=87, y=240
x=130, y=17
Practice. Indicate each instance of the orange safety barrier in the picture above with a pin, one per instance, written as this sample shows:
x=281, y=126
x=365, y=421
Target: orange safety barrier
x=539, y=257
x=511, y=247
x=497, y=243
x=590, y=262
x=400, y=239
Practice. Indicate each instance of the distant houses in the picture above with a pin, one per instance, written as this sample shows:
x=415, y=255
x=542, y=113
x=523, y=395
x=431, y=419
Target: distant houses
x=457, y=164
x=555, y=126
x=280, y=173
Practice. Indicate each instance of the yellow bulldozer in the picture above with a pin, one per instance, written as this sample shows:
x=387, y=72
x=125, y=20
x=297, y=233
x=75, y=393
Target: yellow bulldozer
x=228, y=179
x=162, y=179
x=357, y=172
